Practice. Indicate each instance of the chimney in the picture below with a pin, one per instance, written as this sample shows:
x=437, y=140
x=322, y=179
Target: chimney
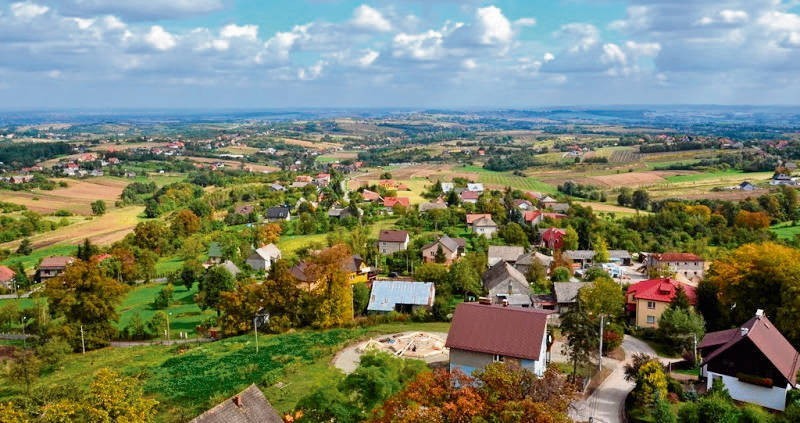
x=505, y=302
x=237, y=400
x=744, y=331
x=759, y=313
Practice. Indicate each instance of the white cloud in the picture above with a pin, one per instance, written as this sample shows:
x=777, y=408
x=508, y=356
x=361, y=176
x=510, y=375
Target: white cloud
x=312, y=72
x=28, y=10
x=469, y=64
x=138, y=10
x=522, y=22
x=548, y=57
x=493, y=27
x=368, y=58
x=643, y=49
x=83, y=23
x=613, y=55
x=582, y=35
x=424, y=46
x=370, y=19
x=159, y=38
x=249, y=32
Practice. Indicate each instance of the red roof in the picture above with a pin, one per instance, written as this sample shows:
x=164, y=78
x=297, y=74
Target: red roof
x=58, y=262
x=553, y=234
x=670, y=257
x=6, y=274
x=509, y=331
x=530, y=216
x=368, y=195
x=470, y=195
x=472, y=217
x=392, y=201
x=392, y=236
x=661, y=289
x=766, y=337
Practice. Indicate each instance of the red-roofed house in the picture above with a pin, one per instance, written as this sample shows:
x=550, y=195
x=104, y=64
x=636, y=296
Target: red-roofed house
x=553, y=238
x=481, y=334
x=472, y=217
x=470, y=197
x=6, y=277
x=395, y=201
x=322, y=179
x=648, y=299
x=689, y=265
x=754, y=362
x=370, y=196
x=51, y=267
x=536, y=217
x=391, y=241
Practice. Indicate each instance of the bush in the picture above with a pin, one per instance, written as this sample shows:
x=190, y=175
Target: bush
x=62, y=213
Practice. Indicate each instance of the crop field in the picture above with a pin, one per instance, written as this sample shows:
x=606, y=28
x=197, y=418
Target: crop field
x=76, y=197
x=720, y=175
x=625, y=155
x=186, y=315
x=233, y=164
x=314, y=145
x=501, y=180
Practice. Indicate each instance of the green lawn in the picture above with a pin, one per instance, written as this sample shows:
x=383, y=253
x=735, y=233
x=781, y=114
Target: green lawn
x=22, y=303
x=188, y=379
x=32, y=260
x=507, y=179
x=730, y=174
x=785, y=230
x=167, y=265
x=289, y=244
x=186, y=315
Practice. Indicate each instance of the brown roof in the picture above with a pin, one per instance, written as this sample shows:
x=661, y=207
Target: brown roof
x=389, y=235
x=472, y=217
x=245, y=209
x=669, y=257
x=6, y=274
x=57, y=262
x=248, y=406
x=492, y=329
x=766, y=337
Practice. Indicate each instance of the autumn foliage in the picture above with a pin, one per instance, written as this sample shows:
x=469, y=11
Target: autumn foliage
x=501, y=392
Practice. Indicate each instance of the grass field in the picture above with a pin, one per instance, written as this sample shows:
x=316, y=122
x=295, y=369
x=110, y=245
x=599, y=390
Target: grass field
x=188, y=379
x=30, y=261
x=168, y=265
x=76, y=197
x=506, y=179
x=185, y=313
x=785, y=230
x=720, y=174
x=291, y=243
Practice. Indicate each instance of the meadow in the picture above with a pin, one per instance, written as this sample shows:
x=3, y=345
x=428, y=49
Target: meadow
x=185, y=314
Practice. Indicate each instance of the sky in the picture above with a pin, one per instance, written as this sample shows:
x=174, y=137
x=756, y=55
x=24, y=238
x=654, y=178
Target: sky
x=250, y=54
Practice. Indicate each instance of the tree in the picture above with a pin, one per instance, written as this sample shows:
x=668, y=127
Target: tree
x=158, y=323
x=662, y=412
x=360, y=298
x=216, y=280
x=601, y=251
x=86, y=297
x=604, y=296
x=560, y=274
x=333, y=286
x=386, y=175
x=439, y=257
x=464, y=278
x=184, y=223
x=25, y=247
x=165, y=297
x=570, y=238
x=513, y=234
x=651, y=384
x=87, y=250
x=20, y=277
x=25, y=367
x=640, y=199
x=191, y=272
x=120, y=398
x=759, y=276
x=151, y=235
x=98, y=208
x=678, y=327
x=625, y=197
x=582, y=336
x=268, y=233
x=680, y=300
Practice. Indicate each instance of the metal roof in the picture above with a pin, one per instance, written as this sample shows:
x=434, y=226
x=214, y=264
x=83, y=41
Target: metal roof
x=386, y=294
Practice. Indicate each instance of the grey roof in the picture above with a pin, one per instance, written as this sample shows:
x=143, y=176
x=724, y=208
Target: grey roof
x=559, y=207
x=567, y=292
x=579, y=254
x=527, y=259
x=509, y=253
x=231, y=267
x=280, y=212
x=432, y=206
x=452, y=244
x=386, y=294
x=267, y=252
x=518, y=299
x=248, y=406
x=619, y=254
x=484, y=222
x=500, y=272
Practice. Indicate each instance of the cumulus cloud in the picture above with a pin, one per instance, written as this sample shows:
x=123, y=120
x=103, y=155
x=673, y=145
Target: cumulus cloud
x=492, y=26
x=582, y=36
x=159, y=38
x=370, y=19
x=249, y=32
x=424, y=46
x=27, y=10
x=368, y=58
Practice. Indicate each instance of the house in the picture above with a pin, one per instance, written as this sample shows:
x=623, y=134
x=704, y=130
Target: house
x=401, y=296
x=278, y=213
x=755, y=362
x=248, y=406
x=426, y=207
x=277, y=187
x=342, y=212
x=507, y=253
x=536, y=217
x=782, y=179
x=648, y=299
x=558, y=207
x=747, y=186
x=581, y=257
x=370, y=196
x=525, y=261
x=51, y=267
x=299, y=184
x=481, y=334
x=547, y=201
x=391, y=241
x=322, y=179
x=567, y=294
x=214, y=254
x=553, y=238
x=689, y=265
x=622, y=257
x=447, y=187
x=484, y=226
x=304, y=178
x=475, y=188
x=470, y=197
x=263, y=258
x=390, y=202
x=357, y=272
x=21, y=179
x=6, y=277
x=472, y=217
x=231, y=267
x=523, y=205
x=506, y=285
x=453, y=248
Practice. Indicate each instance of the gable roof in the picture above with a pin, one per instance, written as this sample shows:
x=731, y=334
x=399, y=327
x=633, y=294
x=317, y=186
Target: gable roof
x=509, y=331
x=214, y=250
x=508, y=253
x=231, y=267
x=475, y=187
x=661, y=289
x=248, y=406
x=452, y=244
x=500, y=272
x=268, y=252
x=484, y=222
x=388, y=235
x=424, y=207
x=619, y=254
x=567, y=292
x=669, y=257
x=553, y=234
x=368, y=195
x=470, y=195
x=56, y=262
x=527, y=259
x=532, y=215
x=766, y=337
x=280, y=212
x=386, y=294
x=472, y=217
x=579, y=254
x=392, y=201
x=6, y=274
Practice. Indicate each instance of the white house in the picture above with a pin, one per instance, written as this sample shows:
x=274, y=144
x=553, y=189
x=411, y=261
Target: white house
x=263, y=258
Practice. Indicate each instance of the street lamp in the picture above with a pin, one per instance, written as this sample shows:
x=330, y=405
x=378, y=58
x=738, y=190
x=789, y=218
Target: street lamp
x=168, y=314
x=24, y=337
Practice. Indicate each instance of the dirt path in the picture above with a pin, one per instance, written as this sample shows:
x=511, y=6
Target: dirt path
x=347, y=359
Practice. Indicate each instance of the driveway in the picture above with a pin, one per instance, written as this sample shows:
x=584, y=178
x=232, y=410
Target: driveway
x=607, y=402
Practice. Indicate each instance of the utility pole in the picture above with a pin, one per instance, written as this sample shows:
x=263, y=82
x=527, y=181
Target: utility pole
x=694, y=348
x=24, y=337
x=83, y=342
x=255, y=328
x=600, y=359
x=168, y=314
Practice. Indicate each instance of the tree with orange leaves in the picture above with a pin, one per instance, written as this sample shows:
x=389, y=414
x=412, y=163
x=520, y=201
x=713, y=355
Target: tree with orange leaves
x=330, y=271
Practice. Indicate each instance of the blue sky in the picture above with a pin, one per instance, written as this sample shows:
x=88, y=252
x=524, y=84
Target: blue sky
x=96, y=54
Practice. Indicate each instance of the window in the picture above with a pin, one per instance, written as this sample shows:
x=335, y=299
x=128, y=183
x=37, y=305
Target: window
x=651, y=320
x=497, y=358
x=651, y=305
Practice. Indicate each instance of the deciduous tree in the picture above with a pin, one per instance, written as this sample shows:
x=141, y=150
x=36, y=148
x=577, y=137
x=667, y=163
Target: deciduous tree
x=216, y=280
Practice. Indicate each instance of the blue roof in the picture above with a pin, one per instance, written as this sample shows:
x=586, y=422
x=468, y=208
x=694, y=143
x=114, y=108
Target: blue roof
x=386, y=294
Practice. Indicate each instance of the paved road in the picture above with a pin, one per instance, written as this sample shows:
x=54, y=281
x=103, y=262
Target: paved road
x=607, y=403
